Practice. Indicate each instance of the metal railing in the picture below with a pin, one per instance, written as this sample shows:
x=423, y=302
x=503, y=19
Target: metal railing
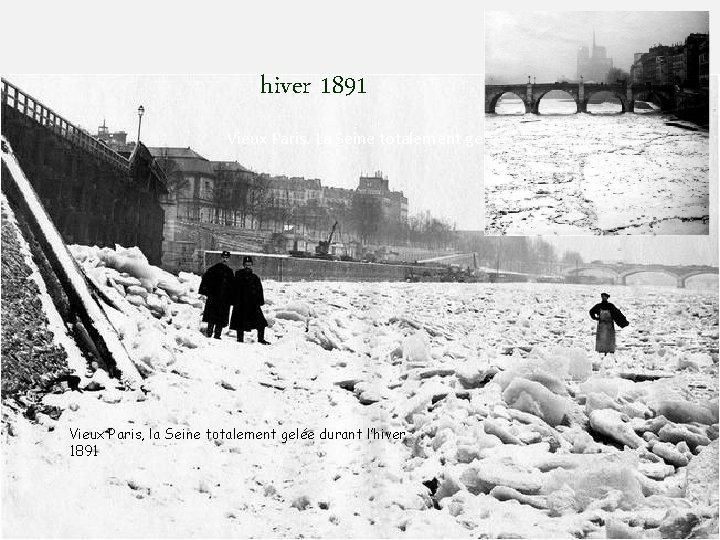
x=27, y=105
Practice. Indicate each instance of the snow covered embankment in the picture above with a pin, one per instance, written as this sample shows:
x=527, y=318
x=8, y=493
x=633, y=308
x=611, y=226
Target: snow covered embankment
x=80, y=309
x=154, y=312
x=31, y=357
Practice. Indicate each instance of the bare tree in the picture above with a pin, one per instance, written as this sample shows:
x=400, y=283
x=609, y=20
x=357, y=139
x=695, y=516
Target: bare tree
x=176, y=182
x=259, y=200
x=615, y=75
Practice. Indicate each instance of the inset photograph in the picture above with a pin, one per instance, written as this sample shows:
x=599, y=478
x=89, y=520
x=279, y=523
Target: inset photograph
x=596, y=123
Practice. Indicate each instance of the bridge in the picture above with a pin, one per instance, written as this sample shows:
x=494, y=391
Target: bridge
x=531, y=94
x=93, y=194
x=623, y=271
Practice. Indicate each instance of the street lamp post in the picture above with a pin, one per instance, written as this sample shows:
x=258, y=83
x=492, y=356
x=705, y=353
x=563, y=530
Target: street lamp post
x=141, y=111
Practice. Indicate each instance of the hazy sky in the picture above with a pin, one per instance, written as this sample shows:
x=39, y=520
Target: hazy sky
x=225, y=117
x=670, y=250
x=209, y=113
x=544, y=44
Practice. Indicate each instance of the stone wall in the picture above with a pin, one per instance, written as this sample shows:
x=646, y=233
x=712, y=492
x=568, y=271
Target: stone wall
x=298, y=269
x=90, y=201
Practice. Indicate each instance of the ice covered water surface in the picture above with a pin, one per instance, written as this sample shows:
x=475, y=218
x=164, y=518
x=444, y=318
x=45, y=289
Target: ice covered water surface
x=599, y=173
x=430, y=361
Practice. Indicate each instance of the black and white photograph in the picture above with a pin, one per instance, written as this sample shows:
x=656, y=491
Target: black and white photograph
x=597, y=122
x=325, y=303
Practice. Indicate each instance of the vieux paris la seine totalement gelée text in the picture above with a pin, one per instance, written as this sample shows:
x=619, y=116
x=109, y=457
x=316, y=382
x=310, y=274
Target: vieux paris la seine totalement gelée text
x=87, y=448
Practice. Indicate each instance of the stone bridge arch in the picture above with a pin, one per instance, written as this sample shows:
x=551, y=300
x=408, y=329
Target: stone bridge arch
x=608, y=90
x=682, y=280
x=621, y=272
x=607, y=270
x=542, y=92
x=492, y=96
x=649, y=270
x=659, y=97
x=532, y=93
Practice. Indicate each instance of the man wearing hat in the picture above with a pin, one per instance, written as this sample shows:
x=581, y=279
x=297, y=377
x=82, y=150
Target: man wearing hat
x=607, y=316
x=216, y=284
x=247, y=298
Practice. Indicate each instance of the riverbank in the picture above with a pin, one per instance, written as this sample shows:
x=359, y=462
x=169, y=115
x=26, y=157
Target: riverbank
x=440, y=364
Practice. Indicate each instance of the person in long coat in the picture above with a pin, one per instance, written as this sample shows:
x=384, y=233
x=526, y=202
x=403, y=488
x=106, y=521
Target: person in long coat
x=216, y=284
x=247, y=298
x=607, y=316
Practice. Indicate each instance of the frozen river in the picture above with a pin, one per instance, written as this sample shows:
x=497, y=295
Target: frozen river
x=497, y=425
x=593, y=174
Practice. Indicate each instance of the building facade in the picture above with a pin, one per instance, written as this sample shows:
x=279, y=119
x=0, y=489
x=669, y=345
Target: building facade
x=190, y=201
x=292, y=191
x=115, y=140
x=206, y=200
x=333, y=197
x=636, y=70
x=394, y=204
x=685, y=65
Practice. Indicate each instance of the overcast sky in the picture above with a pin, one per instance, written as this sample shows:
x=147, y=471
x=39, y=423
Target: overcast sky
x=669, y=250
x=212, y=114
x=208, y=113
x=544, y=44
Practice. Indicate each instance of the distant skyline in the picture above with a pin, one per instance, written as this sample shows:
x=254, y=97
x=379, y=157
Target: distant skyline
x=422, y=131
x=641, y=249
x=544, y=44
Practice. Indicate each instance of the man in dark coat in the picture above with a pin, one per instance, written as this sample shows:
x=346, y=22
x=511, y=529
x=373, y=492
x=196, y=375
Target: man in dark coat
x=216, y=284
x=607, y=316
x=247, y=298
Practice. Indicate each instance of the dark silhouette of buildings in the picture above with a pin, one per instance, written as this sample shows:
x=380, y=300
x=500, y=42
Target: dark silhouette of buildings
x=685, y=65
x=595, y=67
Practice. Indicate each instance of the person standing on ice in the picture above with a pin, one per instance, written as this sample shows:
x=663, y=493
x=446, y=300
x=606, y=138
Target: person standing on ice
x=247, y=298
x=216, y=284
x=607, y=316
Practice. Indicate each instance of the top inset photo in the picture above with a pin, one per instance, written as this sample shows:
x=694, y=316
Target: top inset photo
x=597, y=123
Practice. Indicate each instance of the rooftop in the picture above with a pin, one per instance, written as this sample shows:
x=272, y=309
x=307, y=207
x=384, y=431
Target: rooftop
x=186, y=159
x=229, y=166
x=174, y=152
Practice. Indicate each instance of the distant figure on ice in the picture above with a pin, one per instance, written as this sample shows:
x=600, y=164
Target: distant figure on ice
x=607, y=316
x=247, y=299
x=216, y=284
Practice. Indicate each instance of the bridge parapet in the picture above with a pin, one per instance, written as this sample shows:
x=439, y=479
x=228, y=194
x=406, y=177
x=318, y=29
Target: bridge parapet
x=622, y=272
x=33, y=109
x=532, y=93
x=93, y=195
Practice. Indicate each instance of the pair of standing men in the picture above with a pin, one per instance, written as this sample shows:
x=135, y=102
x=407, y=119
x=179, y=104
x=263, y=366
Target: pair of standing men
x=243, y=292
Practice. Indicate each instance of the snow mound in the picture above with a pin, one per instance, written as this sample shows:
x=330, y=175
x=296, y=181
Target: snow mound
x=532, y=397
x=603, y=483
x=154, y=312
x=564, y=363
x=415, y=352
